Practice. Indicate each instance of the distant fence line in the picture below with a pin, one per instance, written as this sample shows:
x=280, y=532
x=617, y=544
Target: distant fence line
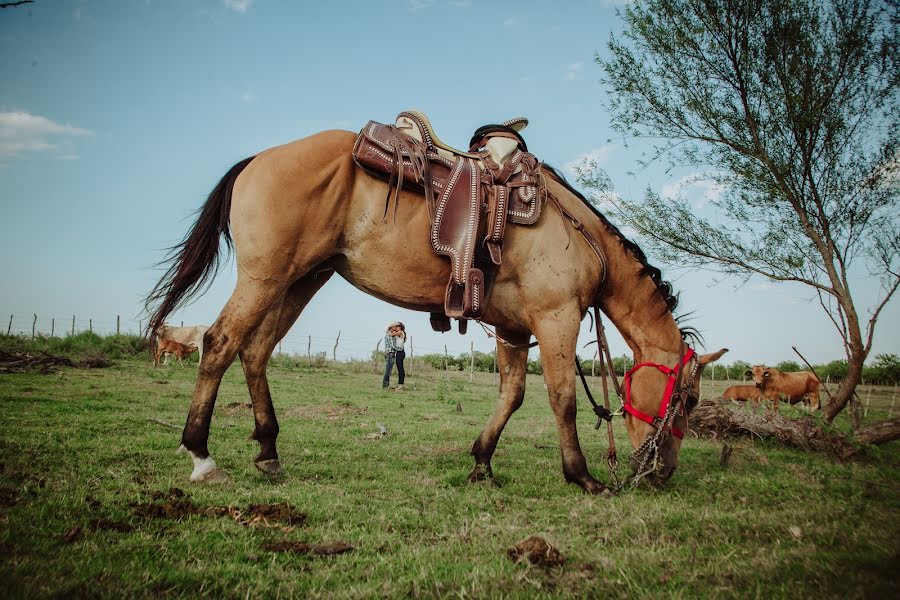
x=313, y=347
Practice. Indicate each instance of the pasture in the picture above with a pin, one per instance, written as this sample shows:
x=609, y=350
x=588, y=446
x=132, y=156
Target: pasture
x=95, y=502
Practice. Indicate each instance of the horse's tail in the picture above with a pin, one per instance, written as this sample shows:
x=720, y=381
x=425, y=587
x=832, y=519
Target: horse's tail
x=193, y=263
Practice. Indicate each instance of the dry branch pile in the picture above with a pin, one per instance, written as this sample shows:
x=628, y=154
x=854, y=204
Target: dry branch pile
x=44, y=362
x=717, y=419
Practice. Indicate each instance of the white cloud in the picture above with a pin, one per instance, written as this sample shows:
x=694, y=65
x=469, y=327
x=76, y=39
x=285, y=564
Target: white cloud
x=240, y=6
x=573, y=71
x=589, y=161
x=416, y=5
x=22, y=132
x=692, y=185
x=512, y=22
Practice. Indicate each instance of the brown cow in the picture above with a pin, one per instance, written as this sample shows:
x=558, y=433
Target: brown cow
x=742, y=393
x=166, y=347
x=772, y=383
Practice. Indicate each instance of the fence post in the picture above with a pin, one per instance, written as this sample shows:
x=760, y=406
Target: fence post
x=33, y=324
x=279, y=347
x=445, y=357
x=91, y=325
x=893, y=398
x=73, y=325
x=868, y=400
x=140, y=326
x=52, y=326
x=118, y=322
x=334, y=352
x=410, y=356
x=375, y=356
x=309, y=350
x=182, y=323
x=472, y=364
x=9, y=327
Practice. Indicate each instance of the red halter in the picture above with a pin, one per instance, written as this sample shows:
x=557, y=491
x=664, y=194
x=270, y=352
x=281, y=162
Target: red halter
x=667, y=395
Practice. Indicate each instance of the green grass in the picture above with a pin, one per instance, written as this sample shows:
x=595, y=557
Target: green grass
x=78, y=448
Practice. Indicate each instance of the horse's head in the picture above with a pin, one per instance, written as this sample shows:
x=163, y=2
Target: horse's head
x=657, y=406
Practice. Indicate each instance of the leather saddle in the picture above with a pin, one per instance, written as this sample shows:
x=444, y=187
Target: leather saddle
x=470, y=196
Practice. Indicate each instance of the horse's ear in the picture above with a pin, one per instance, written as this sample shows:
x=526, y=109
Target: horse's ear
x=705, y=359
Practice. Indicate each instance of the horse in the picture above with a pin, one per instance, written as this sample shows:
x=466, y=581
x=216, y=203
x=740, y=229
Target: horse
x=296, y=214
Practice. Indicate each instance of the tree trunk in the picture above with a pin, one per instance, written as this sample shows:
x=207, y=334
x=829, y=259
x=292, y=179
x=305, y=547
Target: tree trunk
x=855, y=359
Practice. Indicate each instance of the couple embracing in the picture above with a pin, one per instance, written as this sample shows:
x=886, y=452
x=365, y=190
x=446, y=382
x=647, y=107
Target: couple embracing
x=394, y=351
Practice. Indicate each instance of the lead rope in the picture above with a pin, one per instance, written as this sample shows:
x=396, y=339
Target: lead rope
x=612, y=460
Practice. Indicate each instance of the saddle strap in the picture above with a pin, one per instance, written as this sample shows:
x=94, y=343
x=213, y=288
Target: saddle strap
x=498, y=200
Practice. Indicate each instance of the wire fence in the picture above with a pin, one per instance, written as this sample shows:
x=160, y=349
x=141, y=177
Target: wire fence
x=339, y=347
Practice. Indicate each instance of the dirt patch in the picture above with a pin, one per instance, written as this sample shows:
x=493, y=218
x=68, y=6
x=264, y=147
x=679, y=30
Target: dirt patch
x=167, y=505
x=176, y=505
x=329, y=549
x=536, y=551
x=236, y=408
x=8, y=497
x=328, y=413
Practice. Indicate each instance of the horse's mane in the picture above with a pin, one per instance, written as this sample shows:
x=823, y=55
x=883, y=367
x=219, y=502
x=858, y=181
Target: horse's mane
x=663, y=287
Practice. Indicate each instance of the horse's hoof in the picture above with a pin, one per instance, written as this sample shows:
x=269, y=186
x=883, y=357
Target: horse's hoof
x=213, y=476
x=482, y=473
x=269, y=467
x=596, y=488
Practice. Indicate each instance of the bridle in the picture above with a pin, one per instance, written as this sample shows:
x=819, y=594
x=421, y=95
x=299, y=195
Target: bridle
x=674, y=379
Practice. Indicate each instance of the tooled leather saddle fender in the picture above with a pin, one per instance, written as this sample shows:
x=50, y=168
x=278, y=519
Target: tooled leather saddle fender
x=470, y=197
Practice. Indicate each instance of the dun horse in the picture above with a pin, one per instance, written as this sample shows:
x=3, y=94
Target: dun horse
x=298, y=213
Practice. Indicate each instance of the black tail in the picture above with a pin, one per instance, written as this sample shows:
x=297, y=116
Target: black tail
x=193, y=263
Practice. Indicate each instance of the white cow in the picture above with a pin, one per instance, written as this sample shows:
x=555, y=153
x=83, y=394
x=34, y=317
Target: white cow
x=191, y=335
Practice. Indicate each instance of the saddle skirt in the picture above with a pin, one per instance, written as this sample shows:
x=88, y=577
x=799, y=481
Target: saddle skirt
x=470, y=196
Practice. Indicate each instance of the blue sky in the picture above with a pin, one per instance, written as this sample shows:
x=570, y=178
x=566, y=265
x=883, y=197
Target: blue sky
x=118, y=117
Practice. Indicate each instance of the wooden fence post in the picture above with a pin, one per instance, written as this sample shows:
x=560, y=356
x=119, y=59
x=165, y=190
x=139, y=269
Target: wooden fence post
x=279, y=347
x=334, y=352
x=9, y=327
x=309, y=349
x=33, y=325
x=52, y=326
x=73, y=325
x=118, y=322
x=140, y=326
x=472, y=364
x=410, y=356
x=91, y=325
x=445, y=357
x=375, y=356
x=893, y=398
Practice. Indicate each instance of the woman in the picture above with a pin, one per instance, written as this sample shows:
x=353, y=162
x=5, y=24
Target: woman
x=394, y=342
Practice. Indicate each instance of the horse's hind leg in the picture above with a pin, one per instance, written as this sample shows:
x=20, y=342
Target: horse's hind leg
x=248, y=306
x=255, y=356
x=512, y=363
x=557, y=335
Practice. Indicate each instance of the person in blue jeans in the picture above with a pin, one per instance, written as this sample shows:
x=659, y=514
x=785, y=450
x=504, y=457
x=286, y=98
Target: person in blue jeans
x=394, y=352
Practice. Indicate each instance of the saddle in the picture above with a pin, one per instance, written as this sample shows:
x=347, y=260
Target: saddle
x=470, y=196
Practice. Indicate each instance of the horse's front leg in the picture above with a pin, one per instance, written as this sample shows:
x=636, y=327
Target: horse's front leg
x=557, y=335
x=512, y=364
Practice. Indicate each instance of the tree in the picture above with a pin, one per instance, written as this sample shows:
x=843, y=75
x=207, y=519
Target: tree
x=791, y=106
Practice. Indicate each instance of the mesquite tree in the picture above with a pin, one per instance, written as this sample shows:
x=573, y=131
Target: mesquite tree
x=791, y=106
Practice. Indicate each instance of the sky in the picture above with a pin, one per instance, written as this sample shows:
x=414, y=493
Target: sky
x=118, y=117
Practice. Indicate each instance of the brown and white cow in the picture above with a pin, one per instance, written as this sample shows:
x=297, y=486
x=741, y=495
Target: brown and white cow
x=773, y=383
x=742, y=393
x=166, y=347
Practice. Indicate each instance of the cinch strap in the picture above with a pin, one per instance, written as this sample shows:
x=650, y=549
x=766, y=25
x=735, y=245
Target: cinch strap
x=667, y=394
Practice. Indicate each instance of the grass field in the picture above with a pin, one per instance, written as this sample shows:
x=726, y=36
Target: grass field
x=88, y=509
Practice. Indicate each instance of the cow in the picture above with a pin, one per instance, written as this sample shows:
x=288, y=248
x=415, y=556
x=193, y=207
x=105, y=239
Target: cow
x=189, y=336
x=742, y=393
x=166, y=347
x=773, y=383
